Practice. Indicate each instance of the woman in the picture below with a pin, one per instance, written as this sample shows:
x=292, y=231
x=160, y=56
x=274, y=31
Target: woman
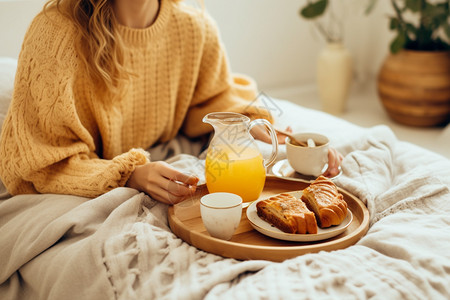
x=100, y=80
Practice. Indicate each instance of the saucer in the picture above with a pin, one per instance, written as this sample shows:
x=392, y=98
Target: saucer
x=283, y=169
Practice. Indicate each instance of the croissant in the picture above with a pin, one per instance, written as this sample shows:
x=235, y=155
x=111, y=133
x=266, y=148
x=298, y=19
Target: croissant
x=323, y=198
x=287, y=213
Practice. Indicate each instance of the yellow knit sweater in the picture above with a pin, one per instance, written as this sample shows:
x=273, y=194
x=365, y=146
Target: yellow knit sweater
x=60, y=137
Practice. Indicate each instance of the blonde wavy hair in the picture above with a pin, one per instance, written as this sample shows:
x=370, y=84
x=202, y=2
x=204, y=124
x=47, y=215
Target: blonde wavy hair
x=102, y=48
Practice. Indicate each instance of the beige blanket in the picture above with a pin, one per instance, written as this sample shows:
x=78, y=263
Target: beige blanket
x=119, y=246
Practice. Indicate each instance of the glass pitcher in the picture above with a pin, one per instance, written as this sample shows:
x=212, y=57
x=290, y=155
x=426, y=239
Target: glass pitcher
x=234, y=163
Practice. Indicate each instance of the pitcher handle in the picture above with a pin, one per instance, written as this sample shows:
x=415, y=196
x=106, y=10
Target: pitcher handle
x=273, y=136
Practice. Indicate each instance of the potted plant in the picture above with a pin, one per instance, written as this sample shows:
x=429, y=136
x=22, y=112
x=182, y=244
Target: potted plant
x=414, y=80
x=334, y=64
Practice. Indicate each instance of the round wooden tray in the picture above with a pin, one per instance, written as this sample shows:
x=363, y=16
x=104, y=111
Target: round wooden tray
x=247, y=243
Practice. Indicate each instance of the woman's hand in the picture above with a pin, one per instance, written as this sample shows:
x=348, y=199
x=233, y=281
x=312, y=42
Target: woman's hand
x=162, y=182
x=334, y=157
x=334, y=161
x=261, y=133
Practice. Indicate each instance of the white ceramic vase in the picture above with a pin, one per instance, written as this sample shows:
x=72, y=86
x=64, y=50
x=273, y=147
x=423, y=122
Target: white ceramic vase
x=334, y=77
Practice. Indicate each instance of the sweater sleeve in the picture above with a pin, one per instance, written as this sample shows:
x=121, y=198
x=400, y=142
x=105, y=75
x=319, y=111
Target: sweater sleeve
x=219, y=90
x=44, y=146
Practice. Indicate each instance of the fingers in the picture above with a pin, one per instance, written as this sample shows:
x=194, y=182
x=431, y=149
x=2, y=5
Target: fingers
x=177, y=186
x=164, y=196
x=174, y=175
x=178, y=189
x=163, y=182
x=282, y=137
x=260, y=133
x=334, y=161
x=188, y=179
x=169, y=192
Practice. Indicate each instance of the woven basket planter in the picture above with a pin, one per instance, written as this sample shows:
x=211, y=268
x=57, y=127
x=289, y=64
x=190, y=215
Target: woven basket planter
x=414, y=87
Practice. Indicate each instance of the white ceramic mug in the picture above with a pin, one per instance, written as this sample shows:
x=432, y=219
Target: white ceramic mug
x=221, y=214
x=308, y=160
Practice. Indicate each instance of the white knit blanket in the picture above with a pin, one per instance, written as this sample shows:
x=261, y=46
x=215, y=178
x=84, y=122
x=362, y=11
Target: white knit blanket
x=119, y=245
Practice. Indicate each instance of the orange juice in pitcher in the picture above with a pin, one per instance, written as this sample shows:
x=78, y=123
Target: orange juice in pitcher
x=234, y=163
x=243, y=173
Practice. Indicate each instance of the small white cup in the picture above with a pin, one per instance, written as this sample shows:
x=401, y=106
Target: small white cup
x=221, y=214
x=308, y=160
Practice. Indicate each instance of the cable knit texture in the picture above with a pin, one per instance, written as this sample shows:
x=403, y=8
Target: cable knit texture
x=61, y=136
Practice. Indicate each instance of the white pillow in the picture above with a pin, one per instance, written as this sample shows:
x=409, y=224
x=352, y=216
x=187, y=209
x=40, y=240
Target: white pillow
x=8, y=68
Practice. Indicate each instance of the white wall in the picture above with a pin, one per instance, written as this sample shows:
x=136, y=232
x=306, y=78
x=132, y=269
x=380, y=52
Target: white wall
x=264, y=38
x=15, y=16
x=269, y=41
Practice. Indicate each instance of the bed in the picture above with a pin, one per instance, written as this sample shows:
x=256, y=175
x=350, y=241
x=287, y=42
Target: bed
x=120, y=246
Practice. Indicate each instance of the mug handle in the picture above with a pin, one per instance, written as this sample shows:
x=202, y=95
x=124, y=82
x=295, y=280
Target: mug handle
x=273, y=136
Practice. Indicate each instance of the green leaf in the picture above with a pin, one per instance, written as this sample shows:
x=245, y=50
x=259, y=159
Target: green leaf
x=314, y=9
x=413, y=5
x=399, y=42
x=370, y=6
x=394, y=24
x=443, y=14
x=424, y=38
x=445, y=5
x=411, y=28
x=434, y=11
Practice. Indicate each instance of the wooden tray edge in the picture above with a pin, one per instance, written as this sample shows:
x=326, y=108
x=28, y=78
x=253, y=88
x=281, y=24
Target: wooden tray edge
x=276, y=253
